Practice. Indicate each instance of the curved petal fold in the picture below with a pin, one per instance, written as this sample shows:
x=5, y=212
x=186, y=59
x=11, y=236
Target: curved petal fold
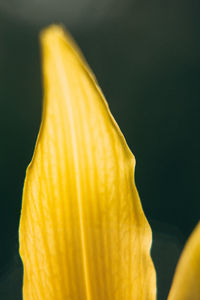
x=83, y=234
x=186, y=282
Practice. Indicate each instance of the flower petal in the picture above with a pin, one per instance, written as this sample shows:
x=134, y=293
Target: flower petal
x=83, y=233
x=186, y=282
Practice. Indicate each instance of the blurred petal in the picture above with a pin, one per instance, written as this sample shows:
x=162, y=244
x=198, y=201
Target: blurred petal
x=186, y=282
x=83, y=233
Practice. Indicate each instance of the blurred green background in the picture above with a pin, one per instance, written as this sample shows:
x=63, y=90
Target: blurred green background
x=146, y=57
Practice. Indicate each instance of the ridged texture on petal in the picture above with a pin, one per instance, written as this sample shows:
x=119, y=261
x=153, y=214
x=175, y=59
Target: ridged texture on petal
x=83, y=233
x=186, y=282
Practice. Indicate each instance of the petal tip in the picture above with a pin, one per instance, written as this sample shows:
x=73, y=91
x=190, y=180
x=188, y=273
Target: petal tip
x=51, y=30
x=55, y=33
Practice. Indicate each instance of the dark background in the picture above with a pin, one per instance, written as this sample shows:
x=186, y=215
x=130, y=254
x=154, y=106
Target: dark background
x=146, y=57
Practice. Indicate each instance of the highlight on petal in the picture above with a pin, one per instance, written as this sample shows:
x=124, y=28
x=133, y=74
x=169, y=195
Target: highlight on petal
x=83, y=234
x=186, y=282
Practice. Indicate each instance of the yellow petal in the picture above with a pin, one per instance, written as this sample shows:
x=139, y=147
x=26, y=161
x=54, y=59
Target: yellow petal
x=83, y=233
x=186, y=282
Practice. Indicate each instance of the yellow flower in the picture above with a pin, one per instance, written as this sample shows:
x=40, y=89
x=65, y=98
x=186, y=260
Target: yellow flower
x=83, y=234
